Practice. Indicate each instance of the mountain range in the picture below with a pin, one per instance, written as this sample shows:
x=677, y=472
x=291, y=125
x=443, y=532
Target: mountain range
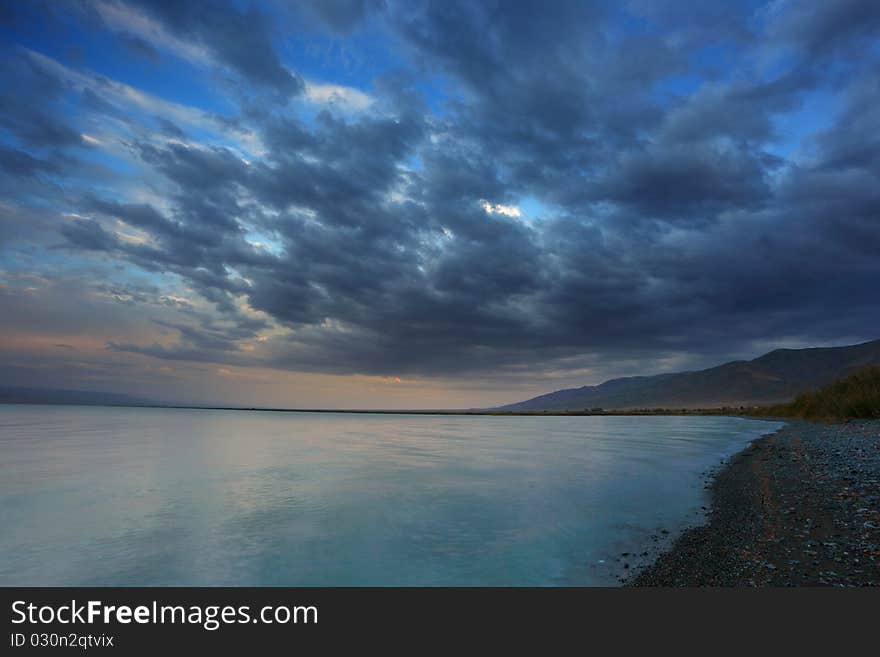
x=775, y=377
x=18, y=395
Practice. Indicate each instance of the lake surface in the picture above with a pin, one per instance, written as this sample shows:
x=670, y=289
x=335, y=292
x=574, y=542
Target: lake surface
x=128, y=496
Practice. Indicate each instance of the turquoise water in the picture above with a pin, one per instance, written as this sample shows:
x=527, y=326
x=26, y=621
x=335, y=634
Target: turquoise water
x=126, y=496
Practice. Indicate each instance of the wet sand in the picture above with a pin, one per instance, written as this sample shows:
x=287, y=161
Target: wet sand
x=800, y=507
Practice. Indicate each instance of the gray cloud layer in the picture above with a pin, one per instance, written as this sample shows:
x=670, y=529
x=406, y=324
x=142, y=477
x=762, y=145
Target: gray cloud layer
x=670, y=222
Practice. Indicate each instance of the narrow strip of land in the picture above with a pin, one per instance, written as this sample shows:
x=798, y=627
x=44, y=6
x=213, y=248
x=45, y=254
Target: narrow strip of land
x=488, y=412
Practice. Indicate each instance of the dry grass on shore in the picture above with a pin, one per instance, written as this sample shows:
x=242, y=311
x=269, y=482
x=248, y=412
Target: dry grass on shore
x=856, y=396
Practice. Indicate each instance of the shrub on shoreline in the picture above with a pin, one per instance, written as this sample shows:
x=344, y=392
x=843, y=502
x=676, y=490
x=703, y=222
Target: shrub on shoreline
x=856, y=396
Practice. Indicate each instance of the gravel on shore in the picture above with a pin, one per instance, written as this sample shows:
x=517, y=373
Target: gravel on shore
x=800, y=507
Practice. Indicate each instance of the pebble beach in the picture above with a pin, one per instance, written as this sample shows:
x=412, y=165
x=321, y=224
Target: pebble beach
x=799, y=507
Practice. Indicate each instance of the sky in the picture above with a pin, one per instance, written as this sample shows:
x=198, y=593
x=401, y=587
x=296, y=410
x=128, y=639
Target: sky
x=412, y=204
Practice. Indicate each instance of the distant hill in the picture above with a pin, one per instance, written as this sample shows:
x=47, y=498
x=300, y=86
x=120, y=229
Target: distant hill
x=15, y=395
x=773, y=378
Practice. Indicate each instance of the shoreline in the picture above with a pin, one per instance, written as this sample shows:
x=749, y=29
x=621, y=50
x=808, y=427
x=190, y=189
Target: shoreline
x=711, y=411
x=797, y=507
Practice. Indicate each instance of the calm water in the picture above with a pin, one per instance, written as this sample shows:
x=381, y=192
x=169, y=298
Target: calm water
x=123, y=496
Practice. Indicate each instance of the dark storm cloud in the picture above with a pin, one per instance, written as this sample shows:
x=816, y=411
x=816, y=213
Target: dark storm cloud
x=341, y=15
x=674, y=215
x=29, y=104
x=675, y=181
x=207, y=341
x=92, y=102
x=240, y=39
x=827, y=26
x=34, y=127
x=39, y=144
x=434, y=285
x=545, y=114
x=742, y=111
x=138, y=46
x=89, y=234
x=170, y=128
x=854, y=142
x=19, y=163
